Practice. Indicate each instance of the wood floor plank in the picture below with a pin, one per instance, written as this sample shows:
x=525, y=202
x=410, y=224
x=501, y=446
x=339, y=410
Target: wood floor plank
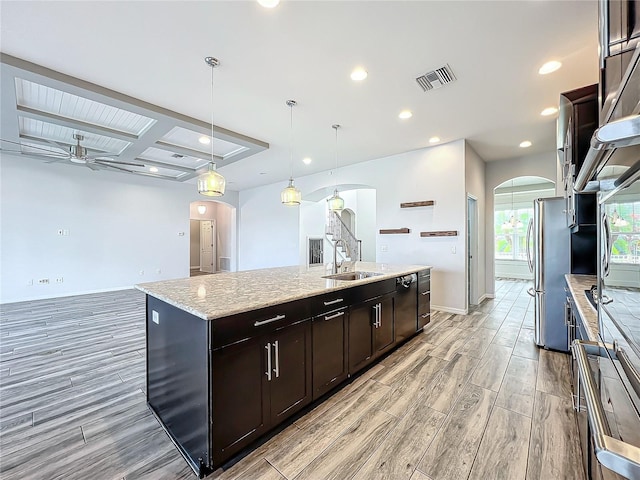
x=478, y=343
x=553, y=450
x=399, y=454
x=407, y=362
x=451, y=454
x=452, y=344
x=518, y=388
x=525, y=345
x=504, y=448
x=553, y=374
x=349, y=452
x=412, y=386
x=444, y=390
x=492, y=368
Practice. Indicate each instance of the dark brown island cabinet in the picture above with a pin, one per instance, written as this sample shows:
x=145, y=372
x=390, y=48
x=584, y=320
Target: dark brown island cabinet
x=219, y=385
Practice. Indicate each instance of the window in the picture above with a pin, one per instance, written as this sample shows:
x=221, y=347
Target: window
x=510, y=232
x=624, y=219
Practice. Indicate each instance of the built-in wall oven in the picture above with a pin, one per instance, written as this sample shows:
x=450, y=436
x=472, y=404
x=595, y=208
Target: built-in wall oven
x=606, y=372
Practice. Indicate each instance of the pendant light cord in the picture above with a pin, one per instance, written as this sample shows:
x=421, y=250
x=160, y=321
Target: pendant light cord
x=291, y=140
x=336, y=127
x=212, y=156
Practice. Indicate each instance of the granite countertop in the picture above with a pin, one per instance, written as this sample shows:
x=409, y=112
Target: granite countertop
x=577, y=285
x=222, y=294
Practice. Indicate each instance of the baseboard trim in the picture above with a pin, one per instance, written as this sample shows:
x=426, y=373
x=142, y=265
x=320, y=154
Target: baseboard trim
x=70, y=294
x=486, y=296
x=457, y=311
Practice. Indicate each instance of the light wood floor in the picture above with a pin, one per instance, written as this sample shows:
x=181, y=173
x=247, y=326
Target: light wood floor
x=472, y=398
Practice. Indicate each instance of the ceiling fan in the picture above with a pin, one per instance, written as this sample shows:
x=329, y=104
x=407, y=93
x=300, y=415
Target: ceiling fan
x=76, y=154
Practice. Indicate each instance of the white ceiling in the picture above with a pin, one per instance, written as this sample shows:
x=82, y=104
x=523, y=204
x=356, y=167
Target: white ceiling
x=305, y=51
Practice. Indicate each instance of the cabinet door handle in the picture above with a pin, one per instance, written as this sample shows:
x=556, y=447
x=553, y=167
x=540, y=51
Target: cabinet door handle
x=264, y=322
x=335, y=315
x=379, y=314
x=425, y=293
x=333, y=302
x=277, y=354
x=268, y=372
x=424, y=315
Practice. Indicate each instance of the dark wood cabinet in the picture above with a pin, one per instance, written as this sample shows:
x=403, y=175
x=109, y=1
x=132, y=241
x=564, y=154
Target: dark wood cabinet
x=241, y=399
x=383, y=329
x=361, y=319
x=424, y=298
x=290, y=384
x=257, y=383
x=330, y=363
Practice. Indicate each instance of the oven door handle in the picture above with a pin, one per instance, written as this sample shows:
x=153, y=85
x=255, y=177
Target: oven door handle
x=608, y=244
x=618, y=456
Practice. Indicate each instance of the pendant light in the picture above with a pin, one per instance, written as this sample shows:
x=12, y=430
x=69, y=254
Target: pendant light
x=336, y=202
x=291, y=196
x=211, y=183
x=617, y=219
x=512, y=222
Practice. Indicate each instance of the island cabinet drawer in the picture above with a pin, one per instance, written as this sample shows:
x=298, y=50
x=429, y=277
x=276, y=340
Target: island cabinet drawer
x=328, y=302
x=245, y=325
x=371, y=290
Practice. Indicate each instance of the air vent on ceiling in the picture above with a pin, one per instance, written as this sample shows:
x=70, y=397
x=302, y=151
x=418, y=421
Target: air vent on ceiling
x=177, y=155
x=436, y=78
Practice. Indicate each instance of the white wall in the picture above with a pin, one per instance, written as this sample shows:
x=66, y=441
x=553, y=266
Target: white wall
x=366, y=222
x=475, y=185
x=118, y=224
x=269, y=233
x=544, y=165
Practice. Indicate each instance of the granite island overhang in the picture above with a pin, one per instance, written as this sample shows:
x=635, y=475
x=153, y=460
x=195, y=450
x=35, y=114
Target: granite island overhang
x=230, y=356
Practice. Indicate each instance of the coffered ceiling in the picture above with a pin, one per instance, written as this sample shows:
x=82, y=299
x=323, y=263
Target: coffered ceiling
x=153, y=54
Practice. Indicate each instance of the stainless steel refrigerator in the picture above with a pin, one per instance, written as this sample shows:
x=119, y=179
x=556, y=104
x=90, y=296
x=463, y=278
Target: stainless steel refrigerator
x=549, y=256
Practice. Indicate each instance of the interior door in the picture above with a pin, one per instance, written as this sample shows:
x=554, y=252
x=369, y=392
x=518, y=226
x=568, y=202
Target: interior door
x=207, y=246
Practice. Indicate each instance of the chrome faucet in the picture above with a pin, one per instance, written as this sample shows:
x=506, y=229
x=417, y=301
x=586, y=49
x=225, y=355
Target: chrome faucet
x=335, y=254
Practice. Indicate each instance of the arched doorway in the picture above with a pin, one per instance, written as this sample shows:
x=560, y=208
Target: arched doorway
x=512, y=211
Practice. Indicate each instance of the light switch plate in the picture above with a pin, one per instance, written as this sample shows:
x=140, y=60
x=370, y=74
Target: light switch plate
x=155, y=317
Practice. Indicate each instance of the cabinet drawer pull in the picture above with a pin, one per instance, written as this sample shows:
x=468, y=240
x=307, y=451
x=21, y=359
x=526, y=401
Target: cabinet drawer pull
x=425, y=293
x=333, y=302
x=335, y=315
x=425, y=315
x=264, y=322
x=268, y=372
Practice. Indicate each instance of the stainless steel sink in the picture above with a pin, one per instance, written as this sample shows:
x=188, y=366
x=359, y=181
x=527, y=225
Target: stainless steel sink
x=352, y=275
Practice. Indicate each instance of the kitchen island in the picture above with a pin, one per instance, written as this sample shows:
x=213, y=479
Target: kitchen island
x=231, y=356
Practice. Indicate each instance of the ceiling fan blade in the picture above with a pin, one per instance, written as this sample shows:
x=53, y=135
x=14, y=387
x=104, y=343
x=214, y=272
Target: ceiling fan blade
x=106, y=155
x=34, y=147
x=113, y=166
x=119, y=163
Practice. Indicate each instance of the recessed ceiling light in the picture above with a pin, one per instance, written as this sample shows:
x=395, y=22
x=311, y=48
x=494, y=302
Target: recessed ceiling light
x=358, y=74
x=525, y=144
x=262, y=173
x=548, y=111
x=405, y=114
x=204, y=140
x=549, y=67
x=434, y=139
x=153, y=169
x=269, y=3
x=306, y=160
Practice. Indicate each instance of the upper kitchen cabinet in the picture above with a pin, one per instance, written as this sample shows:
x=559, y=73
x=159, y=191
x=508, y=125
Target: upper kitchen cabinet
x=620, y=26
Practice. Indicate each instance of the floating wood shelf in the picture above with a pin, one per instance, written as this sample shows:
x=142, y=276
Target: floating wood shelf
x=426, y=203
x=444, y=233
x=389, y=231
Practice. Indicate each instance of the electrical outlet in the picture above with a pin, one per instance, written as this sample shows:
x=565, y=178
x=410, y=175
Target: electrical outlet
x=384, y=248
x=159, y=271
x=65, y=232
x=59, y=279
x=43, y=281
x=453, y=249
x=30, y=282
x=141, y=272
x=155, y=317
x=60, y=231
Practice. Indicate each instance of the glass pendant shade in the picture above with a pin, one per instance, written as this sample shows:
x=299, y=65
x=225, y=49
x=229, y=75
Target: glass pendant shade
x=211, y=183
x=336, y=202
x=291, y=195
